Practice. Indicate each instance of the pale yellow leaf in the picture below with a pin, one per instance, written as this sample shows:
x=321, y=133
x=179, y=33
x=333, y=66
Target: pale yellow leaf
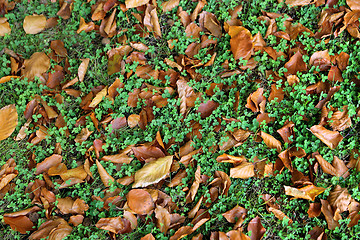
x=153, y=172
x=34, y=24
x=8, y=121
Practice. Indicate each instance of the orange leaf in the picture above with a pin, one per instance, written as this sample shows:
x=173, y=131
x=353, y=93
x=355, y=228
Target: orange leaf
x=241, y=43
x=280, y=215
x=104, y=175
x=52, y=161
x=325, y=165
x=270, y=141
x=8, y=78
x=21, y=224
x=8, y=120
x=140, y=201
x=295, y=64
x=330, y=138
x=83, y=68
x=245, y=170
x=308, y=192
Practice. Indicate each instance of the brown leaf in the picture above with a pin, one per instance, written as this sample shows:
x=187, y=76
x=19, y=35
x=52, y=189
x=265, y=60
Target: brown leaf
x=308, y=192
x=34, y=24
x=286, y=132
x=76, y=220
x=135, y=3
x=83, y=68
x=277, y=93
x=83, y=26
x=52, y=161
x=279, y=214
x=182, y=232
x=140, y=201
x=329, y=215
x=69, y=206
x=8, y=120
x=21, y=224
x=256, y=100
x=153, y=172
x=237, y=214
x=83, y=135
x=340, y=199
x=169, y=5
x=314, y=210
x=133, y=120
x=330, y=138
x=245, y=170
x=353, y=4
x=104, y=175
x=52, y=229
x=325, y=165
x=295, y=64
x=38, y=64
x=270, y=141
x=241, y=42
x=8, y=78
x=114, y=224
x=321, y=59
x=340, y=167
x=4, y=27
x=163, y=219
x=294, y=3
x=148, y=237
x=256, y=228
x=98, y=98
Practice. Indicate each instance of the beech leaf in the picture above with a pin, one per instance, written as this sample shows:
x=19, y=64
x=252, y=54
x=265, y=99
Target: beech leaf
x=153, y=172
x=8, y=120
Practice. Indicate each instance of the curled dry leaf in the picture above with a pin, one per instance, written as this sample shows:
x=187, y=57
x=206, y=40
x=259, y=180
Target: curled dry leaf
x=241, y=42
x=295, y=64
x=330, y=138
x=287, y=131
x=38, y=64
x=245, y=170
x=21, y=224
x=49, y=162
x=69, y=206
x=325, y=165
x=52, y=229
x=153, y=172
x=169, y=5
x=256, y=228
x=104, y=175
x=308, y=192
x=279, y=214
x=256, y=101
x=236, y=215
x=98, y=98
x=314, y=210
x=8, y=120
x=115, y=224
x=34, y=24
x=163, y=219
x=148, y=237
x=329, y=214
x=270, y=141
x=140, y=201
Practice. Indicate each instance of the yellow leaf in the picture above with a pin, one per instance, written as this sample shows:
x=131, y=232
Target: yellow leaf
x=98, y=98
x=153, y=172
x=8, y=120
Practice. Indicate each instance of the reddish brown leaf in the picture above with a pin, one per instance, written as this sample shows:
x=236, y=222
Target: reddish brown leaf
x=241, y=42
x=163, y=219
x=104, y=175
x=49, y=162
x=256, y=228
x=314, y=210
x=295, y=64
x=256, y=101
x=140, y=201
x=21, y=224
x=329, y=215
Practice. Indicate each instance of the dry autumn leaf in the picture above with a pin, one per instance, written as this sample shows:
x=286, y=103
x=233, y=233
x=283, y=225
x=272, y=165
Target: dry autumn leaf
x=34, y=24
x=153, y=172
x=308, y=192
x=140, y=201
x=330, y=138
x=8, y=120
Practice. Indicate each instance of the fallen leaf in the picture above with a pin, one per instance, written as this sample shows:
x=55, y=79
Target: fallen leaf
x=135, y=3
x=244, y=170
x=38, y=64
x=140, y=201
x=329, y=215
x=280, y=215
x=83, y=68
x=98, y=98
x=34, y=24
x=163, y=219
x=241, y=42
x=52, y=229
x=308, y=192
x=153, y=172
x=295, y=64
x=4, y=27
x=270, y=141
x=49, y=162
x=330, y=138
x=169, y=5
x=8, y=120
x=21, y=224
x=104, y=175
x=256, y=228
